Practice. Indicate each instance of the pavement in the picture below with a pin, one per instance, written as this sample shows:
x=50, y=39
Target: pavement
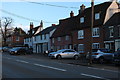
x=81, y=61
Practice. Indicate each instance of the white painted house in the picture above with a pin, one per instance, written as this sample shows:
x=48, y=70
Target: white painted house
x=41, y=40
x=28, y=41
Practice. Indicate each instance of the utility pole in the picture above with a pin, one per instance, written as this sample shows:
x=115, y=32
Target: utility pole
x=92, y=24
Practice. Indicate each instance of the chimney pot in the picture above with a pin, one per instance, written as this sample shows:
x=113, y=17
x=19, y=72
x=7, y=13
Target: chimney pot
x=82, y=8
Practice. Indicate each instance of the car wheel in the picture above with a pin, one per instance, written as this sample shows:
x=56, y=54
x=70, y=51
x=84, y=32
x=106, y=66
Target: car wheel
x=76, y=57
x=101, y=60
x=59, y=57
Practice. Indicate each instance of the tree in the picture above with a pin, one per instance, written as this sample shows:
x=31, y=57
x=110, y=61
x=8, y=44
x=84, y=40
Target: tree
x=5, y=23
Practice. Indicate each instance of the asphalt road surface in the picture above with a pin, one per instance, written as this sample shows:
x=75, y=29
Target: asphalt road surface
x=17, y=66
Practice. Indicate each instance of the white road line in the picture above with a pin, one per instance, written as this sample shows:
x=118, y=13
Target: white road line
x=22, y=61
x=9, y=58
x=50, y=67
x=103, y=69
x=93, y=76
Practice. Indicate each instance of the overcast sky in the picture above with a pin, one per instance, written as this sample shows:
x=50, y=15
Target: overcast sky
x=24, y=12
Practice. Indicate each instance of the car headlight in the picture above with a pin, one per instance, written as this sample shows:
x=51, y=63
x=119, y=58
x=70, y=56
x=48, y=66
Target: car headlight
x=15, y=51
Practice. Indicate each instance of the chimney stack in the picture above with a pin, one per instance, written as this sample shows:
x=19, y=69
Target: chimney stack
x=82, y=8
x=53, y=24
x=71, y=14
x=31, y=25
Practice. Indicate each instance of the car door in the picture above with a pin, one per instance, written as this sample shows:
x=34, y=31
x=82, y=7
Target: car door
x=71, y=53
x=65, y=54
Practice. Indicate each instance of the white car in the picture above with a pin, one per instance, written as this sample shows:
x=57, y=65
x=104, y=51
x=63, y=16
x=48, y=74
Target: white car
x=64, y=53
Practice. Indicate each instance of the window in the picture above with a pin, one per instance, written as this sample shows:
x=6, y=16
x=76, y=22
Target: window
x=53, y=40
x=81, y=48
x=30, y=39
x=82, y=20
x=35, y=38
x=40, y=37
x=96, y=32
x=80, y=34
x=111, y=31
x=67, y=38
x=17, y=38
x=96, y=45
x=59, y=39
x=44, y=36
x=97, y=16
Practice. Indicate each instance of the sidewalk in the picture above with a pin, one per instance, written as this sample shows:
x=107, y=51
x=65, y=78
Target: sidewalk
x=81, y=61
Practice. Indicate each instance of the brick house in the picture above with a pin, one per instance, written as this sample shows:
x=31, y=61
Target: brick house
x=61, y=38
x=78, y=28
x=112, y=32
x=16, y=38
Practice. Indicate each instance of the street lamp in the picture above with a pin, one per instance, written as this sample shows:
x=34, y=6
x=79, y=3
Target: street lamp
x=91, y=28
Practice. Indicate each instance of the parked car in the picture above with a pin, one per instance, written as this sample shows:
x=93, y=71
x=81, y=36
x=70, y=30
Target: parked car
x=6, y=49
x=20, y=50
x=116, y=57
x=64, y=53
x=101, y=55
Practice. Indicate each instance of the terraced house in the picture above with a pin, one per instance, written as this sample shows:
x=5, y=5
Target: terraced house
x=74, y=32
x=41, y=40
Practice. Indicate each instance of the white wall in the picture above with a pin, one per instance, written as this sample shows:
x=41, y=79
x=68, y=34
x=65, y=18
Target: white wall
x=113, y=8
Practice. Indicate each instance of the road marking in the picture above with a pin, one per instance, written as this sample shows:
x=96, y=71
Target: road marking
x=103, y=69
x=22, y=61
x=9, y=58
x=93, y=76
x=50, y=67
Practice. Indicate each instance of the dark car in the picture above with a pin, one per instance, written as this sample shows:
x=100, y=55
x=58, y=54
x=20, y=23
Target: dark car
x=116, y=57
x=20, y=50
x=6, y=49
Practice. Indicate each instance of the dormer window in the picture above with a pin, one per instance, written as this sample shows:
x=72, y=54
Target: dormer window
x=82, y=20
x=97, y=16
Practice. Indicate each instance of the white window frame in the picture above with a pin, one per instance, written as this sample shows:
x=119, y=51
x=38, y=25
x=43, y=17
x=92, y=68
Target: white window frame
x=59, y=38
x=96, y=32
x=97, y=16
x=82, y=20
x=53, y=40
x=111, y=29
x=96, y=44
x=81, y=49
x=80, y=34
x=17, y=38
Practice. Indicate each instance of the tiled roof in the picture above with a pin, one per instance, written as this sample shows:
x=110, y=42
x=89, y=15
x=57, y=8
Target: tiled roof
x=73, y=23
x=114, y=20
x=47, y=30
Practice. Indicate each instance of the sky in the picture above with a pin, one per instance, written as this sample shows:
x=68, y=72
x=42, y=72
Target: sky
x=49, y=11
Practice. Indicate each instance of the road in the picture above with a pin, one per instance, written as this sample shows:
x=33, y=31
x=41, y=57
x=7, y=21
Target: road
x=23, y=66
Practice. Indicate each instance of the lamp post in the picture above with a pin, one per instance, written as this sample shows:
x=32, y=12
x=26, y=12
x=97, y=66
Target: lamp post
x=91, y=28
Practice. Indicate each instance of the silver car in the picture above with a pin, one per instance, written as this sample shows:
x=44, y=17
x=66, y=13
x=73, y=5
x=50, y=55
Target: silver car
x=100, y=55
x=64, y=53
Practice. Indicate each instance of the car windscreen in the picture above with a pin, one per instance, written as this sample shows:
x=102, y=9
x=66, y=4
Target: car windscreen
x=15, y=48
